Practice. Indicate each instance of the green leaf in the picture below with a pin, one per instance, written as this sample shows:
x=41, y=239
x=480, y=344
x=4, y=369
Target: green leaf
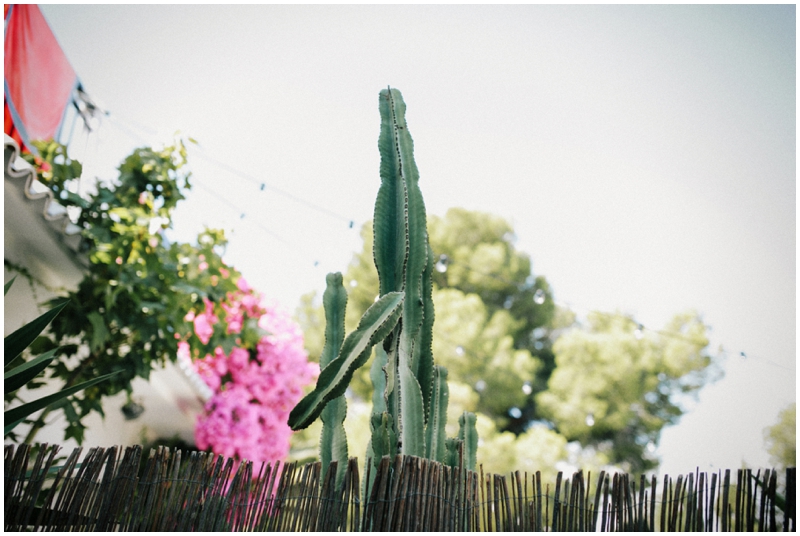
x=377, y=322
x=18, y=414
x=20, y=339
x=99, y=331
x=22, y=374
x=8, y=285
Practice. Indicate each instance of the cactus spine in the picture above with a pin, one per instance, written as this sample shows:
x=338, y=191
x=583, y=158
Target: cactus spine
x=410, y=394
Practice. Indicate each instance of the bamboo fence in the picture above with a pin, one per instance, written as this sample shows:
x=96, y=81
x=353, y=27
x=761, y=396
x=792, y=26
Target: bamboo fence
x=114, y=489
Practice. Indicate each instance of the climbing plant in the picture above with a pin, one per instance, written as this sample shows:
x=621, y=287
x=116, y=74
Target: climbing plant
x=129, y=313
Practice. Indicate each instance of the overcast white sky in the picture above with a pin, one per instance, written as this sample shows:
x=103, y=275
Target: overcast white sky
x=645, y=155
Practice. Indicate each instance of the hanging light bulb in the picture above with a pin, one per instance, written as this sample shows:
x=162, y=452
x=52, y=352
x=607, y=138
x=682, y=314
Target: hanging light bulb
x=539, y=296
x=590, y=420
x=441, y=264
x=638, y=333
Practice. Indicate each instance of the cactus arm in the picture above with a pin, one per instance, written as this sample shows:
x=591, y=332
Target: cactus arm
x=401, y=255
x=435, y=431
x=390, y=235
x=400, y=246
x=378, y=322
x=377, y=374
x=334, y=301
x=384, y=440
x=451, y=451
x=423, y=363
x=468, y=434
x=412, y=417
x=333, y=442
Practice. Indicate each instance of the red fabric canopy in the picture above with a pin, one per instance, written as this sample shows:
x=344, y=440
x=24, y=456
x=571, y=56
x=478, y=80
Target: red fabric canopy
x=38, y=78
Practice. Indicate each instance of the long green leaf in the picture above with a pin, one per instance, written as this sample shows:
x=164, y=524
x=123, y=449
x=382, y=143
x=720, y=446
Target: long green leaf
x=19, y=413
x=378, y=321
x=8, y=285
x=24, y=336
x=19, y=376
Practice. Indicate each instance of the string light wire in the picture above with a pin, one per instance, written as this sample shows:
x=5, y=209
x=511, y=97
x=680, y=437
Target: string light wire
x=263, y=185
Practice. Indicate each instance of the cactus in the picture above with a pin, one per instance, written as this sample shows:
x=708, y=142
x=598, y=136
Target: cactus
x=377, y=322
x=333, y=442
x=410, y=394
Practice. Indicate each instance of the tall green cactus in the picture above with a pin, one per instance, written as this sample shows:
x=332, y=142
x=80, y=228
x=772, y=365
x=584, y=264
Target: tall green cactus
x=333, y=443
x=410, y=397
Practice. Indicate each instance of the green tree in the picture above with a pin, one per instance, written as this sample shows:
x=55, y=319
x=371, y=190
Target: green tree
x=127, y=310
x=781, y=438
x=594, y=395
x=616, y=386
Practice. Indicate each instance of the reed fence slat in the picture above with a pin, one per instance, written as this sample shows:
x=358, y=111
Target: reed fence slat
x=121, y=490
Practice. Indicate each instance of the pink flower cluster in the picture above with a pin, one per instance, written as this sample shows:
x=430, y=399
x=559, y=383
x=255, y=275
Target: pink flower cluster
x=254, y=388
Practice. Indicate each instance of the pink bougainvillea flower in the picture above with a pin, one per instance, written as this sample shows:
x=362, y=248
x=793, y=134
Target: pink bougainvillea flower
x=203, y=322
x=256, y=384
x=242, y=285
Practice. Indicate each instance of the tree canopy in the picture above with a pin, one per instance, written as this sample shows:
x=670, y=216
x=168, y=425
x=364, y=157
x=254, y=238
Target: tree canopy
x=592, y=395
x=781, y=438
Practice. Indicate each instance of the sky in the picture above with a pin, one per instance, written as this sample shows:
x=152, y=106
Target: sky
x=645, y=155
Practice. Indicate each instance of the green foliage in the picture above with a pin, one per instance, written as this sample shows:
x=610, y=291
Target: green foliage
x=126, y=311
x=18, y=376
x=616, y=387
x=781, y=438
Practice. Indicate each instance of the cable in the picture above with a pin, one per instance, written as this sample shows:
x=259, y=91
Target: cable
x=264, y=185
x=443, y=259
